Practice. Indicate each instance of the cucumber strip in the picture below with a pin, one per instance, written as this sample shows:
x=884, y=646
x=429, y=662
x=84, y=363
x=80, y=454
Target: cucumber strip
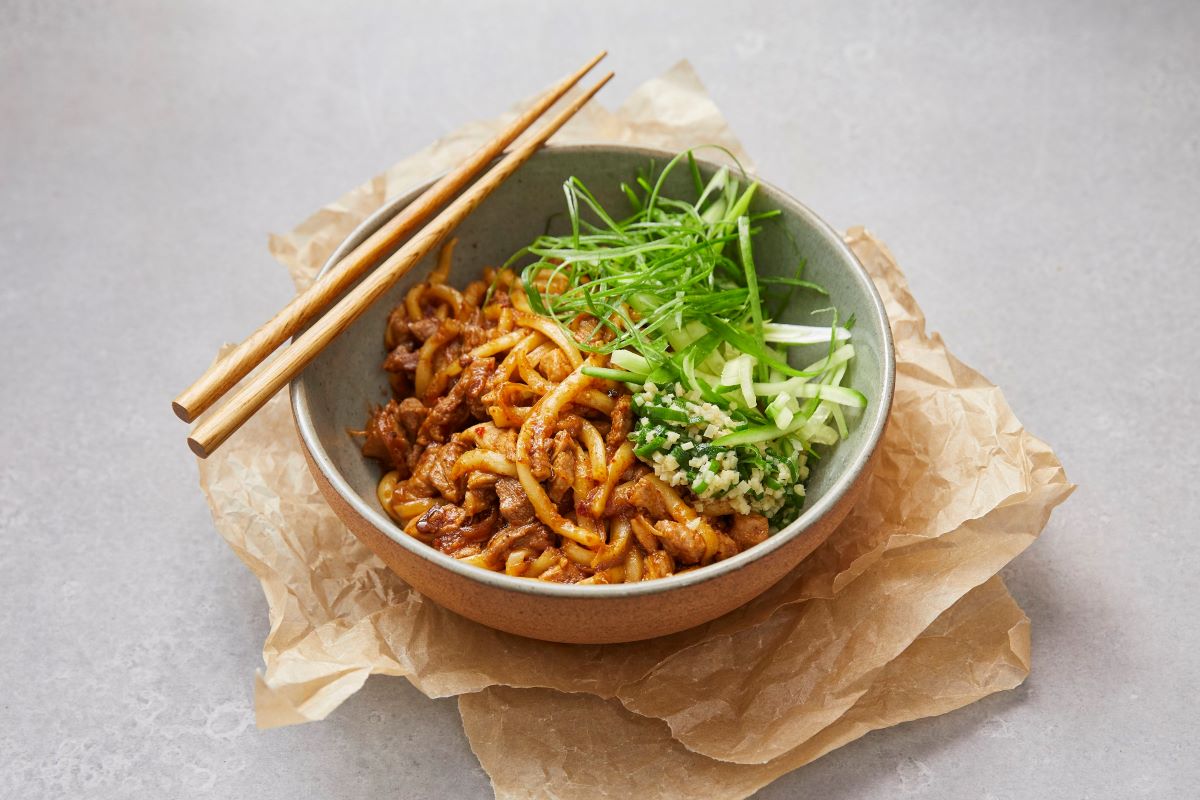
x=772, y=388
x=798, y=388
x=823, y=434
x=613, y=375
x=840, y=419
x=749, y=435
x=840, y=356
x=842, y=395
x=756, y=317
x=681, y=338
x=630, y=361
x=781, y=410
x=739, y=372
x=817, y=370
x=802, y=334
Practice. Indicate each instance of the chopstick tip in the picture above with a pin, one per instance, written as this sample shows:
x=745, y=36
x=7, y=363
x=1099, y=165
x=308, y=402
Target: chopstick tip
x=197, y=448
x=181, y=411
x=596, y=59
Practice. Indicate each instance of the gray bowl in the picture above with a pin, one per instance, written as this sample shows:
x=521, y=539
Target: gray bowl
x=335, y=390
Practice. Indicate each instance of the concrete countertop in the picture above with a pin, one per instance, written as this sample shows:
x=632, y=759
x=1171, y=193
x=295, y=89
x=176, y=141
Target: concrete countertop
x=1034, y=166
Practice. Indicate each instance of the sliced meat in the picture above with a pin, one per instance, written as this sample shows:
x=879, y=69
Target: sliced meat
x=585, y=329
x=447, y=416
x=455, y=546
x=620, y=502
x=453, y=530
x=685, y=544
x=397, y=328
x=423, y=328
x=401, y=384
x=726, y=547
x=411, y=413
x=541, y=440
x=748, y=530
x=514, y=502
x=570, y=423
x=414, y=488
x=477, y=500
x=648, y=499
x=501, y=298
x=498, y=440
x=532, y=536
x=481, y=527
x=716, y=508
x=479, y=479
x=402, y=359
x=386, y=440
x=452, y=411
x=622, y=424
x=657, y=565
x=441, y=521
x=564, y=570
x=475, y=382
x=562, y=466
x=435, y=465
x=474, y=335
x=448, y=354
x=555, y=366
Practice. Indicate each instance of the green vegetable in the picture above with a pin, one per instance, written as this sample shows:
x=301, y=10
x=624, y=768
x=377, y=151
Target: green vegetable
x=676, y=310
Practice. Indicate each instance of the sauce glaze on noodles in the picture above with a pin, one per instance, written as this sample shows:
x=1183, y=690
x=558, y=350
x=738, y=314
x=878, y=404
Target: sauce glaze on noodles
x=499, y=451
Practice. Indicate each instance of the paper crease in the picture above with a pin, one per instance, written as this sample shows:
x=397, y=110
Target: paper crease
x=897, y=616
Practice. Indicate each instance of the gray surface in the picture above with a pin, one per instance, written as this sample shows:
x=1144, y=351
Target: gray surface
x=1035, y=167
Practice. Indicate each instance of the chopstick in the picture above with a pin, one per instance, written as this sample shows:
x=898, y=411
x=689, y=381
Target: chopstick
x=216, y=428
x=240, y=361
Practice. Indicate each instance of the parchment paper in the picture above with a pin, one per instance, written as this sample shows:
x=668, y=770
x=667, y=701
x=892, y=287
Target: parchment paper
x=897, y=616
x=584, y=746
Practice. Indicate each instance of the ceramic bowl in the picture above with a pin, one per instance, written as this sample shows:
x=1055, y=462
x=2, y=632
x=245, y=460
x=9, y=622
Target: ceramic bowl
x=334, y=392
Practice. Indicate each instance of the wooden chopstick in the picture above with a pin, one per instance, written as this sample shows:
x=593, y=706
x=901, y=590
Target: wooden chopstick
x=216, y=428
x=241, y=360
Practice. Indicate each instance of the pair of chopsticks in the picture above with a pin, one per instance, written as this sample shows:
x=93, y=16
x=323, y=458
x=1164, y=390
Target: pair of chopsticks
x=215, y=428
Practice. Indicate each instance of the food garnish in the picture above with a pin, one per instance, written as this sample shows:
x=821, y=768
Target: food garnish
x=720, y=408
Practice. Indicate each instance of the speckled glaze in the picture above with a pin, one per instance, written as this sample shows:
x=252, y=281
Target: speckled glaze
x=333, y=394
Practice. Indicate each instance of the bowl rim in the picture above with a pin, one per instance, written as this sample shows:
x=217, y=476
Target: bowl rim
x=499, y=580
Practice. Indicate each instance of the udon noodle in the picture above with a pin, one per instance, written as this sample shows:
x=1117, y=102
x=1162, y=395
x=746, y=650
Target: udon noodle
x=500, y=452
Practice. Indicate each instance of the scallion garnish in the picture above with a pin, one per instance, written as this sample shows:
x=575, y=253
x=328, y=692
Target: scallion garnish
x=686, y=319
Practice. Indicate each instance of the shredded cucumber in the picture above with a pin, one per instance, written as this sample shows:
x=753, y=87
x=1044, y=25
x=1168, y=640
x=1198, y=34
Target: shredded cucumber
x=684, y=314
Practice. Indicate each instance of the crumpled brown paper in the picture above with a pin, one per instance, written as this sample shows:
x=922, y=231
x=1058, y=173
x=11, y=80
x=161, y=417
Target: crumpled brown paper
x=584, y=746
x=897, y=616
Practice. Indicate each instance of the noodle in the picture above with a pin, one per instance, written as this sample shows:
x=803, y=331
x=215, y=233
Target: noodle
x=448, y=295
x=595, y=446
x=446, y=332
x=552, y=332
x=622, y=460
x=438, y=274
x=484, y=460
x=499, y=344
x=501, y=453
